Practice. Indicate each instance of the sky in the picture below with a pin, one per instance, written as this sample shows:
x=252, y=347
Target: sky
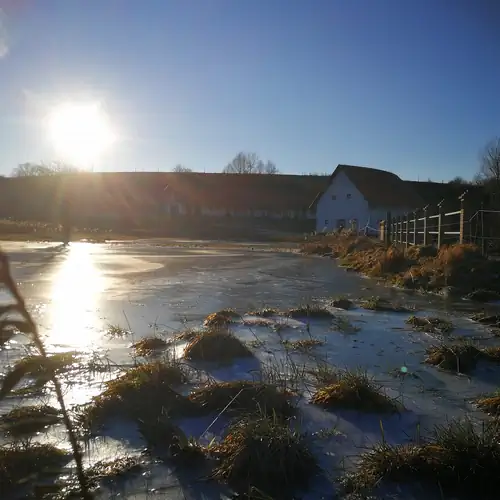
x=410, y=86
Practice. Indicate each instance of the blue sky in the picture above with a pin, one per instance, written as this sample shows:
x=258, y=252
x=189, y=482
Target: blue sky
x=411, y=86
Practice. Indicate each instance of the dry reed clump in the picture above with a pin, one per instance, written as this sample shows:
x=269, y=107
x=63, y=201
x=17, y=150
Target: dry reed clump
x=460, y=357
x=221, y=318
x=303, y=345
x=112, y=470
x=28, y=420
x=381, y=304
x=216, y=345
x=242, y=397
x=266, y=455
x=430, y=324
x=21, y=462
x=459, y=460
x=490, y=404
x=265, y=312
x=309, y=311
x=140, y=392
x=342, y=303
x=149, y=345
x=354, y=390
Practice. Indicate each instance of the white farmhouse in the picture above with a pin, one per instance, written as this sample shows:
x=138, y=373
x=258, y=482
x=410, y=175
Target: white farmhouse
x=360, y=197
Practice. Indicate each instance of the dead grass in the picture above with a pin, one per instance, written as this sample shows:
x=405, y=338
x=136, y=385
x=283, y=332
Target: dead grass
x=28, y=420
x=243, y=397
x=460, y=459
x=459, y=266
x=490, y=404
x=342, y=324
x=187, y=335
x=383, y=305
x=324, y=374
x=111, y=470
x=342, y=303
x=459, y=357
x=221, y=318
x=142, y=391
x=430, y=324
x=265, y=312
x=149, y=345
x=309, y=311
x=354, y=390
x=264, y=454
x=216, y=345
x=302, y=344
x=116, y=332
x=18, y=463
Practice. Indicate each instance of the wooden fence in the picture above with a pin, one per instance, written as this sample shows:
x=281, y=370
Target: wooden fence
x=420, y=228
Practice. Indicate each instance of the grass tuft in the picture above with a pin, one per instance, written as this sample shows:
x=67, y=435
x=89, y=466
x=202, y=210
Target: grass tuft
x=139, y=393
x=18, y=463
x=430, y=324
x=461, y=458
x=380, y=304
x=265, y=312
x=221, y=318
x=342, y=303
x=303, y=345
x=111, y=470
x=243, y=397
x=149, y=345
x=324, y=374
x=460, y=357
x=266, y=455
x=490, y=404
x=27, y=420
x=342, y=324
x=216, y=345
x=309, y=311
x=354, y=390
x=116, y=332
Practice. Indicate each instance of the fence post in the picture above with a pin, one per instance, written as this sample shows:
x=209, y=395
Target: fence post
x=425, y=239
x=462, y=218
x=440, y=240
x=388, y=230
x=415, y=228
x=381, y=230
x=398, y=229
x=407, y=230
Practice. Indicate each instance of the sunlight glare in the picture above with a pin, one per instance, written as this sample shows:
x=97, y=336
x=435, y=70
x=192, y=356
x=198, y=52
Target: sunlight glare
x=80, y=133
x=75, y=301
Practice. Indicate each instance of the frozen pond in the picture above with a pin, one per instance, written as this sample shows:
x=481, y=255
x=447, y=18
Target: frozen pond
x=76, y=293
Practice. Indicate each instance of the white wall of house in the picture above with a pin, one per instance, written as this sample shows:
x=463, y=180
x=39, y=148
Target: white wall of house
x=340, y=203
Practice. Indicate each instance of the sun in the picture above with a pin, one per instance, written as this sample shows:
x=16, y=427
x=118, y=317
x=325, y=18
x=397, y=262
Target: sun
x=80, y=132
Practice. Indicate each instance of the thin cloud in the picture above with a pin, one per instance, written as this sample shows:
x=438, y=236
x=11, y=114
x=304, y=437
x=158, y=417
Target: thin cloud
x=4, y=47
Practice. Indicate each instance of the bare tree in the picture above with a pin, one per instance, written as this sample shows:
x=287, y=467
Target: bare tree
x=249, y=163
x=458, y=180
x=489, y=170
x=181, y=168
x=37, y=169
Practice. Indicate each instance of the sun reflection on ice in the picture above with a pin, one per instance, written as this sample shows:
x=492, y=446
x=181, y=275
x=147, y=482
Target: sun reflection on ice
x=76, y=290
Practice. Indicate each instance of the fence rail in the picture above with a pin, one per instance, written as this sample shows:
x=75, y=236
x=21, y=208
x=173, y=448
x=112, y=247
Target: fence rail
x=419, y=228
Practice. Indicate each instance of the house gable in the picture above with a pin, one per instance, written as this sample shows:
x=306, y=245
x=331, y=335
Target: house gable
x=341, y=203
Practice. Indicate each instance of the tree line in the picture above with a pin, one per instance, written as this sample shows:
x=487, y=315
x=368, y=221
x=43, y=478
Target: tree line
x=242, y=163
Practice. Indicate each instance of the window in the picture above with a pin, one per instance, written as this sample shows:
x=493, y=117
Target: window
x=326, y=222
x=334, y=197
x=348, y=196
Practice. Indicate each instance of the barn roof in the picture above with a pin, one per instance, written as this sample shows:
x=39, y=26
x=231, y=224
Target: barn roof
x=379, y=187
